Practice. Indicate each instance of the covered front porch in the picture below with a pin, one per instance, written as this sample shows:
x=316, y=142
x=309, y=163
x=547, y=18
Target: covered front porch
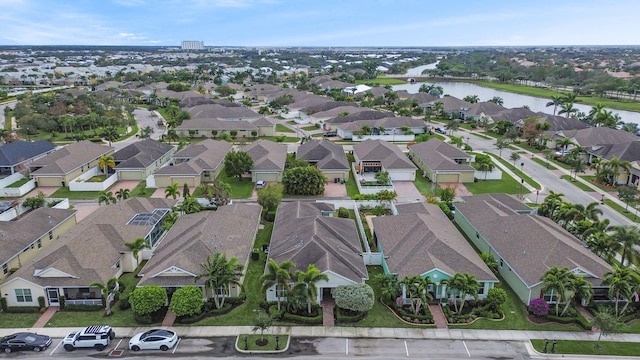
x=74, y=295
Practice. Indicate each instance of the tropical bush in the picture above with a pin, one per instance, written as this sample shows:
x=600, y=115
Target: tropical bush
x=357, y=297
x=186, y=301
x=146, y=300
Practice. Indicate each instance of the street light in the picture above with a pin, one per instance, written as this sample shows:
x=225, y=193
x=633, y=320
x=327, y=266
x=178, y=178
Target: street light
x=602, y=199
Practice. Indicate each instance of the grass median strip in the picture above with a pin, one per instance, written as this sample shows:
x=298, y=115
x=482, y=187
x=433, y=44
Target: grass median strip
x=580, y=347
x=516, y=171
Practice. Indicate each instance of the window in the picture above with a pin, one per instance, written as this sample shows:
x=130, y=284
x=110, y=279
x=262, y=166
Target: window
x=39, y=242
x=481, y=289
x=550, y=298
x=50, y=235
x=220, y=291
x=501, y=263
x=280, y=292
x=5, y=269
x=23, y=295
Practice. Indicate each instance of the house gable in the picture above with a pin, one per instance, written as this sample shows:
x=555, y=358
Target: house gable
x=174, y=271
x=53, y=273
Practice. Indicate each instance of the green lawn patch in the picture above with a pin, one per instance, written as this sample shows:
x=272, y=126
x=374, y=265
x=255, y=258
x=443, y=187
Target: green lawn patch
x=629, y=213
x=282, y=128
x=119, y=318
x=424, y=186
x=590, y=347
x=379, y=315
x=580, y=185
x=507, y=185
x=64, y=192
x=239, y=189
x=516, y=171
x=285, y=139
x=548, y=164
x=141, y=190
x=482, y=136
x=19, y=183
x=310, y=128
x=251, y=340
x=592, y=179
x=10, y=320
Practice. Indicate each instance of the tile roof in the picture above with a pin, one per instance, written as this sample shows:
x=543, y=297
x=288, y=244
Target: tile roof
x=267, y=155
x=69, y=158
x=229, y=230
x=213, y=111
x=414, y=243
x=301, y=235
x=326, y=154
x=596, y=136
x=201, y=156
x=140, y=154
x=360, y=115
x=16, y=152
x=386, y=122
x=438, y=155
x=388, y=154
x=530, y=244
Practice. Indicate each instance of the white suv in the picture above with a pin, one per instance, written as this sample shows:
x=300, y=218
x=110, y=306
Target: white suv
x=96, y=336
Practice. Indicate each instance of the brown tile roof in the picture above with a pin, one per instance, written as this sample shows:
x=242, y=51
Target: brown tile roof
x=69, y=158
x=202, y=156
x=438, y=155
x=141, y=154
x=229, y=230
x=530, y=244
x=416, y=243
x=267, y=155
x=326, y=154
x=90, y=251
x=388, y=154
x=301, y=235
x=213, y=111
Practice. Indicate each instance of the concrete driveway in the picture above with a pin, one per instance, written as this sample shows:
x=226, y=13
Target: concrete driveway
x=334, y=190
x=407, y=192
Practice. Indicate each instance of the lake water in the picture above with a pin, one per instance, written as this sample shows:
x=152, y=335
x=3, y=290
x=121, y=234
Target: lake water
x=511, y=100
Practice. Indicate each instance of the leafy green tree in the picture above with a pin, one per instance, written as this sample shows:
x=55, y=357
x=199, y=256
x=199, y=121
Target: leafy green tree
x=309, y=280
x=307, y=180
x=147, y=299
x=496, y=297
x=278, y=275
x=186, y=301
x=514, y=157
x=356, y=297
x=417, y=291
x=218, y=273
x=629, y=238
x=623, y=282
x=107, y=290
x=123, y=194
x=172, y=191
x=383, y=177
x=106, y=197
x=607, y=323
x=270, y=197
x=501, y=144
x=490, y=260
x=136, y=246
x=35, y=202
x=262, y=323
x=185, y=190
x=237, y=163
x=447, y=194
x=555, y=281
x=464, y=284
x=106, y=161
x=627, y=194
x=389, y=286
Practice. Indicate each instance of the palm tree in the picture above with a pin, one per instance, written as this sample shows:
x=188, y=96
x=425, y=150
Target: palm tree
x=629, y=238
x=616, y=165
x=389, y=286
x=172, y=191
x=219, y=274
x=465, y=284
x=555, y=281
x=567, y=109
x=106, y=197
x=136, y=246
x=309, y=280
x=106, y=161
x=486, y=167
x=603, y=245
x=578, y=287
x=555, y=101
x=417, y=289
x=592, y=211
x=278, y=275
x=497, y=100
x=473, y=99
x=189, y=205
x=622, y=281
x=123, y=194
x=108, y=290
x=438, y=108
x=564, y=144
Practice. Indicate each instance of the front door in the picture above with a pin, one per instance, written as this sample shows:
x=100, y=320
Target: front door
x=53, y=296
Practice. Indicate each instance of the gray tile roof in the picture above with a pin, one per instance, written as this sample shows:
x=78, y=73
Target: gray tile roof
x=140, y=154
x=216, y=124
x=415, y=243
x=90, y=251
x=16, y=235
x=324, y=106
x=388, y=154
x=267, y=155
x=230, y=230
x=360, y=115
x=487, y=108
x=451, y=103
x=69, y=158
x=326, y=155
x=202, y=156
x=530, y=244
x=596, y=136
x=301, y=235
x=213, y=111
x=629, y=151
x=18, y=151
x=386, y=122
x=438, y=155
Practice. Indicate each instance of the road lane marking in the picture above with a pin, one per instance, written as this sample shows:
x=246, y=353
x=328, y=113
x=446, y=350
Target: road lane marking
x=466, y=348
x=406, y=348
x=56, y=348
x=347, y=346
x=118, y=344
x=175, y=347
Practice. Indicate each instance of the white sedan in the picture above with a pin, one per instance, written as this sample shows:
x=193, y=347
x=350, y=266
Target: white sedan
x=156, y=339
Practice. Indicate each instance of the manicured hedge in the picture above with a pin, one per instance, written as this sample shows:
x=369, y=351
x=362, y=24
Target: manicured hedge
x=73, y=307
x=22, y=309
x=343, y=318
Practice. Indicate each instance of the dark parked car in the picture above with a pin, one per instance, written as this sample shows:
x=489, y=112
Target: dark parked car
x=441, y=130
x=330, y=134
x=24, y=341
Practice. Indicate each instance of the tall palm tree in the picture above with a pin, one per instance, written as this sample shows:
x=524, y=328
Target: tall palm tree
x=564, y=144
x=278, y=275
x=555, y=101
x=551, y=204
x=417, y=289
x=172, y=191
x=497, y=100
x=473, y=99
x=309, y=279
x=438, y=108
x=106, y=161
x=189, y=205
x=123, y=194
x=219, y=273
x=111, y=287
x=486, y=167
x=389, y=286
x=617, y=165
x=578, y=287
x=567, y=109
x=106, y=197
x=592, y=211
x=629, y=238
x=621, y=281
x=136, y=246
x=465, y=284
x=603, y=245
x=555, y=281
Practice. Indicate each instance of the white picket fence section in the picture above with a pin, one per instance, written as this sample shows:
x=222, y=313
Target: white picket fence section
x=6, y=191
x=80, y=183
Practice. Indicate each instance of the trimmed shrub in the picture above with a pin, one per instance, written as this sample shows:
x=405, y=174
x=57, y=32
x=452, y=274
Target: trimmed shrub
x=345, y=316
x=343, y=212
x=80, y=307
x=62, y=302
x=357, y=297
x=3, y=304
x=186, y=301
x=41, y=302
x=147, y=299
x=317, y=319
x=123, y=303
x=22, y=309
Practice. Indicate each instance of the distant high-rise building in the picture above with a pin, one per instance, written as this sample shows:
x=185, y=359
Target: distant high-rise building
x=193, y=45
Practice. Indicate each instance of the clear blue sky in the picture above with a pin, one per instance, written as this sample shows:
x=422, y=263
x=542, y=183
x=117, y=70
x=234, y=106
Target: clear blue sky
x=320, y=22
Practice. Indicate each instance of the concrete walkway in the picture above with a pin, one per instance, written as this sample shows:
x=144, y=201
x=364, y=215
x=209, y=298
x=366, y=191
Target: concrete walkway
x=328, y=305
x=169, y=319
x=43, y=320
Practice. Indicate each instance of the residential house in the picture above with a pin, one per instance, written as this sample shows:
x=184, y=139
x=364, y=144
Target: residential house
x=391, y=125
x=269, y=159
x=327, y=156
x=197, y=163
x=17, y=155
x=60, y=167
x=372, y=156
x=208, y=127
x=304, y=236
x=140, y=159
x=25, y=237
x=421, y=240
x=230, y=230
x=451, y=106
x=442, y=162
x=93, y=251
x=219, y=111
x=526, y=245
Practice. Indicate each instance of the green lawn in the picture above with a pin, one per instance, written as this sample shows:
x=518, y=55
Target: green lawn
x=351, y=186
x=282, y=128
x=239, y=189
x=251, y=341
x=424, y=186
x=310, y=128
x=590, y=347
x=19, y=183
x=482, y=136
x=119, y=318
x=64, y=192
x=507, y=185
x=285, y=139
x=548, y=164
x=141, y=190
x=591, y=179
x=578, y=184
x=516, y=171
x=630, y=213
x=10, y=320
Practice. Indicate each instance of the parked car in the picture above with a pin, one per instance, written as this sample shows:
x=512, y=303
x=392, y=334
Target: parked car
x=95, y=336
x=260, y=184
x=562, y=153
x=441, y=130
x=156, y=339
x=24, y=341
x=330, y=134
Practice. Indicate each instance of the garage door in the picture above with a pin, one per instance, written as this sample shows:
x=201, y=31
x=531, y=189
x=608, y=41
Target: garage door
x=448, y=178
x=402, y=175
x=265, y=176
x=130, y=175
